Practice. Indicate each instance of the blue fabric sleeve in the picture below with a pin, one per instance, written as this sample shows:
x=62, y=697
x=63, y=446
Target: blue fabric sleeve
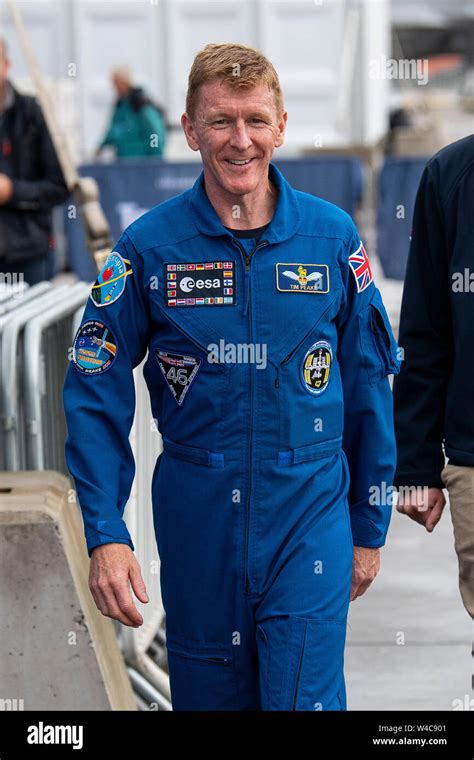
x=100, y=406
x=367, y=354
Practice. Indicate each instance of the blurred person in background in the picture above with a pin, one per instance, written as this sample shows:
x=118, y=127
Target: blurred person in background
x=31, y=183
x=137, y=126
x=433, y=394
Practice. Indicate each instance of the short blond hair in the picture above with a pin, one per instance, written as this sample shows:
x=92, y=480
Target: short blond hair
x=239, y=66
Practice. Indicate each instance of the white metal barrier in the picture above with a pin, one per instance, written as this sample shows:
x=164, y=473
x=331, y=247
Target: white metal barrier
x=10, y=292
x=24, y=296
x=46, y=345
x=13, y=371
x=19, y=303
x=146, y=446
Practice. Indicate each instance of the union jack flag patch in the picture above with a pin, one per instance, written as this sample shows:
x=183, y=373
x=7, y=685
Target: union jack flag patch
x=360, y=265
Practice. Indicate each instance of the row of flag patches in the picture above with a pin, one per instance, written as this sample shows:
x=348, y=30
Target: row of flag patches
x=227, y=273
x=227, y=292
x=199, y=301
x=206, y=265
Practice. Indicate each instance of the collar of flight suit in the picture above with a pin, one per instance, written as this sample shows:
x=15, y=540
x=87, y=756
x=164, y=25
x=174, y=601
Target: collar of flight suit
x=283, y=225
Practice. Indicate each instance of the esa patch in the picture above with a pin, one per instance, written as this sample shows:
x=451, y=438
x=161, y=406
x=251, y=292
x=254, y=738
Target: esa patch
x=111, y=280
x=179, y=371
x=360, y=266
x=316, y=367
x=302, y=278
x=210, y=283
x=94, y=348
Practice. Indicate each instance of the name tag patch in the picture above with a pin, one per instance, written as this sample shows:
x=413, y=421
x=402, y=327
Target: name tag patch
x=302, y=278
x=179, y=371
x=200, y=284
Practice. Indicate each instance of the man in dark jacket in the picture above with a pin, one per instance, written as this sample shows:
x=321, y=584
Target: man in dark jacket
x=434, y=392
x=31, y=183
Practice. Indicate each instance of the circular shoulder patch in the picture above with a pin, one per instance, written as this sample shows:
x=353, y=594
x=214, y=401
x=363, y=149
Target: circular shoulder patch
x=316, y=367
x=111, y=281
x=94, y=348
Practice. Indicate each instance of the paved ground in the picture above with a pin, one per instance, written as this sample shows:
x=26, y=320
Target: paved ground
x=414, y=599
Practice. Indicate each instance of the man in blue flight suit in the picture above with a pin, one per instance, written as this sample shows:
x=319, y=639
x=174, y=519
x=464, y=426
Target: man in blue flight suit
x=268, y=354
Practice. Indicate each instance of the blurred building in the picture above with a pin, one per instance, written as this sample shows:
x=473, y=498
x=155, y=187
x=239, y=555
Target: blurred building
x=319, y=48
x=325, y=52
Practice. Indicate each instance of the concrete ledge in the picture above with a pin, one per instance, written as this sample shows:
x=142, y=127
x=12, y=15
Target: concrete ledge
x=58, y=652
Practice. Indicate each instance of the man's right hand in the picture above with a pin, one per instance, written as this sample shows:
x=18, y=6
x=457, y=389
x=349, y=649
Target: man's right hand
x=112, y=566
x=425, y=506
x=6, y=189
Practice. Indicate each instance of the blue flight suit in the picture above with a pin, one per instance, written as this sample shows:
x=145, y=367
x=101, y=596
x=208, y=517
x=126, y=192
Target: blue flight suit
x=267, y=373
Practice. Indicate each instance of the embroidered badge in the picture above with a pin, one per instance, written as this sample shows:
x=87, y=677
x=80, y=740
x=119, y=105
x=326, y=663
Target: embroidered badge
x=302, y=278
x=210, y=283
x=316, y=367
x=94, y=348
x=110, y=283
x=360, y=265
x=179, y=371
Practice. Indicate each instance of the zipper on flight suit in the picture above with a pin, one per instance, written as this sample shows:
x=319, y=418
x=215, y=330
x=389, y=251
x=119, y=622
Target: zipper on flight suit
x=248, y=261
x=277, y=379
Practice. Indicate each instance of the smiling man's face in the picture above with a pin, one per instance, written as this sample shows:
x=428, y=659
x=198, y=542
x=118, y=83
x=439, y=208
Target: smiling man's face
x=235, y=126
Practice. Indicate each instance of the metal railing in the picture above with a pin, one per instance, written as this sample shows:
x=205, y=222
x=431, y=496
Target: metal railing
x=15, y=369
x=138, y=644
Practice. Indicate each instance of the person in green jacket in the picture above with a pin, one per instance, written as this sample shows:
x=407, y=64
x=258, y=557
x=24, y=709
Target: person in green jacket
x=137, y=126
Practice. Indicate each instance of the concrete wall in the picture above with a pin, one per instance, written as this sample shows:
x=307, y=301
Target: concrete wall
x=58, y=652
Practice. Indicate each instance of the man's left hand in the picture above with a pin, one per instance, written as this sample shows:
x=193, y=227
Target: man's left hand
x=6, y=189
x=365, y=566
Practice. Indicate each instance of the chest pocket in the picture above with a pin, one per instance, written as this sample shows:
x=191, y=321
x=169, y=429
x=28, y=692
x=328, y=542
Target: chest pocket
x=309, y=390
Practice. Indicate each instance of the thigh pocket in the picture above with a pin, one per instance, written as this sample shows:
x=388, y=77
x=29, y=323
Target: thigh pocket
x=202, y=679
x=315, y=673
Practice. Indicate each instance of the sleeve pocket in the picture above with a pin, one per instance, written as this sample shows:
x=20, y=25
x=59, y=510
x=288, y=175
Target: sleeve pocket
x=379, y=347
